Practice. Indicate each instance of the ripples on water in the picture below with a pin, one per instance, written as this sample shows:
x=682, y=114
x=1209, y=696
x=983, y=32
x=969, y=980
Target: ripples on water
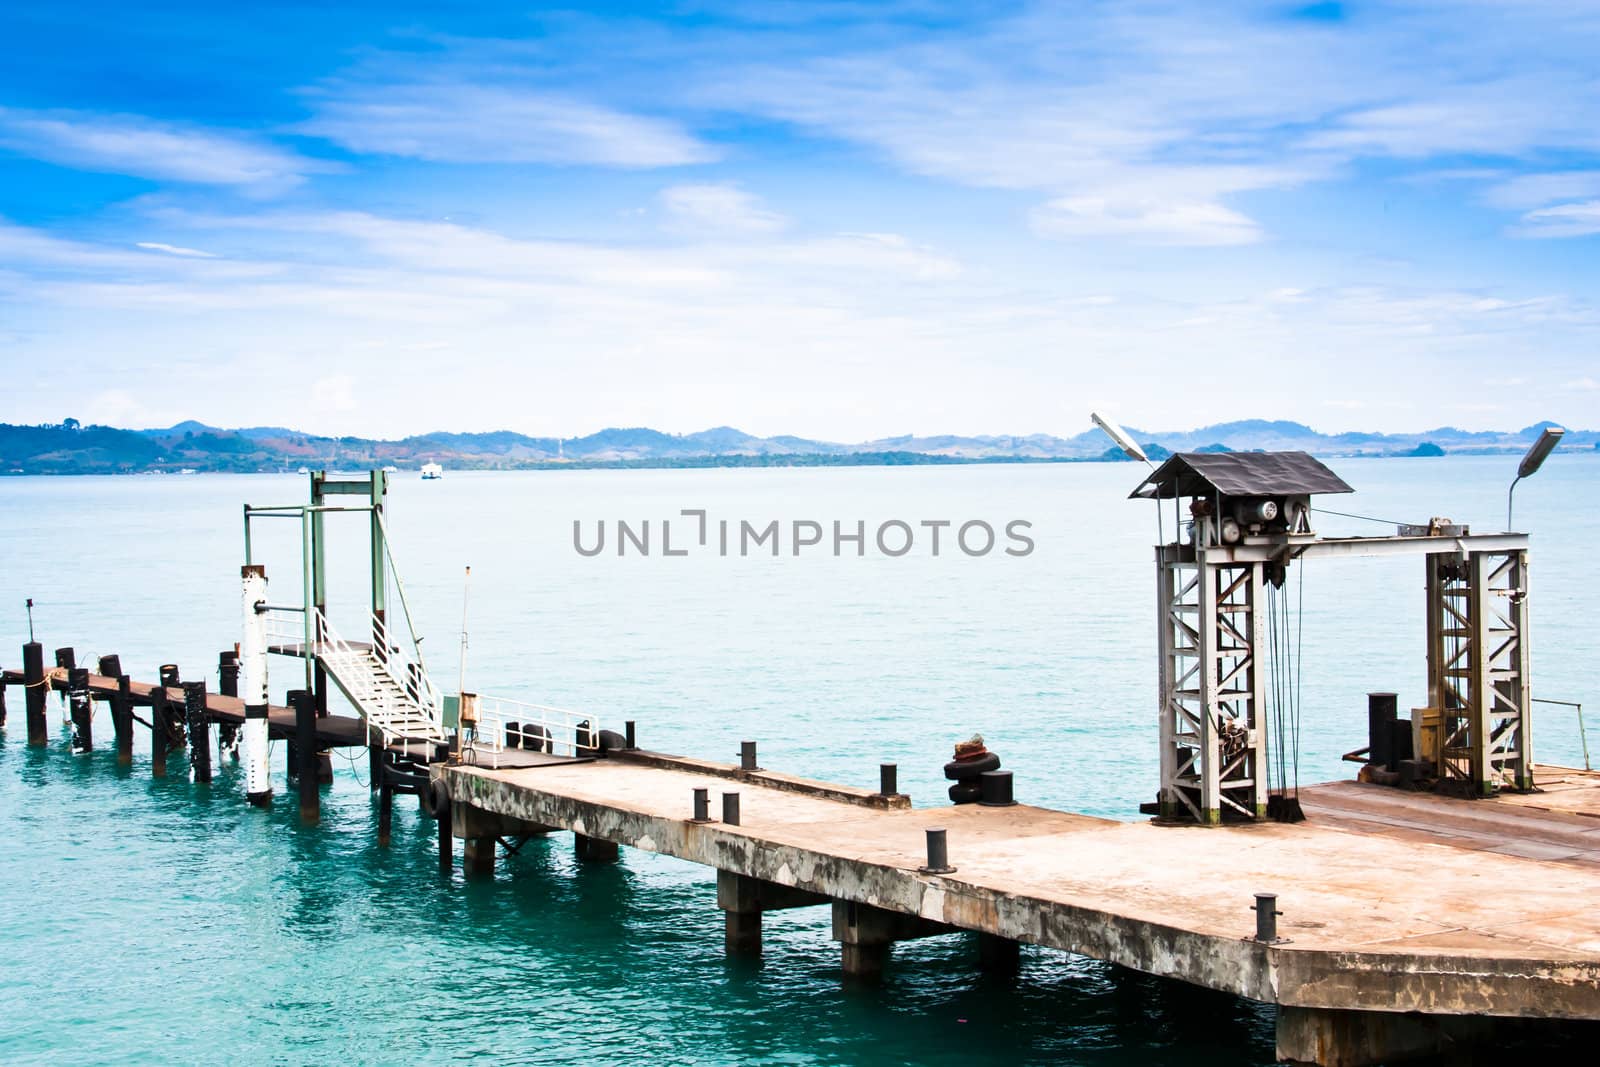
x=155, y=921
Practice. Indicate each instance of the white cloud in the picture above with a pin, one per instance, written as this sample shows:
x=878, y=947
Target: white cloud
x=718, y=209
x=1561, y=220
x=175, y=250
x=1150, y=121
x=1173, y=222
x=1537, y=190
x=146, y=148
x=457, y=122
x=1581, y=385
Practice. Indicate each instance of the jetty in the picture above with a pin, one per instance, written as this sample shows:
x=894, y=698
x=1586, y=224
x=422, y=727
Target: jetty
x=1441, y=897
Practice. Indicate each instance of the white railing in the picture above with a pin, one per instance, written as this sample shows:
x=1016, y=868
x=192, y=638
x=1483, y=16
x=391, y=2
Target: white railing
x=503, y=722
x=285, y=626
x=363, y=673
x=407, y=670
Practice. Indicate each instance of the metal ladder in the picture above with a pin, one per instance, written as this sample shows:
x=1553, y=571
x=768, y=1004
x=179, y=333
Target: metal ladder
x=399, y=701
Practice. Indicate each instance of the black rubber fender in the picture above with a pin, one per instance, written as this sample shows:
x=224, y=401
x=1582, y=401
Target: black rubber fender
x=611, y=741
x=536, y=738
x=437, y=799
x=965, y=793
x=962, y=770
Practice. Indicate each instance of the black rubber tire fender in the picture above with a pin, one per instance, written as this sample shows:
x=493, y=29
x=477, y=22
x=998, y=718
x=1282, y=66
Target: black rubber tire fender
x=965, y=793
x=611, y=741
x=536, y=738
x=438, y=799
x=959, y=770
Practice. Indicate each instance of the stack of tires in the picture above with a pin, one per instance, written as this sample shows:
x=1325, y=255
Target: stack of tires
x=966, y=771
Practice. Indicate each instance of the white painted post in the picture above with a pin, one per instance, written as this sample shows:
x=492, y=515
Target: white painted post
x=253, y=685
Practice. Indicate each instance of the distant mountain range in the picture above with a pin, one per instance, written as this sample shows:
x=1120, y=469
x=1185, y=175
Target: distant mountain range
x=71, y=448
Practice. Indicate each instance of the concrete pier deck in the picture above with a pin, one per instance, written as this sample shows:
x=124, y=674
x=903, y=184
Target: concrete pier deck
x=1391, y=902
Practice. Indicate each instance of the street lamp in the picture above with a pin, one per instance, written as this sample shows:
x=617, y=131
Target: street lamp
x=1129, y=447
x=1546, y=444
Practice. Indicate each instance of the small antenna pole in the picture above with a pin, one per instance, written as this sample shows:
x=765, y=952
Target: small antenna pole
x=461, y=677
x=30, y=620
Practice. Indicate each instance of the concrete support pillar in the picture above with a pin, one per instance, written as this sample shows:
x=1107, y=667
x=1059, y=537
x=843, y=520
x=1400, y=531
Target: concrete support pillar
x=999, y=955
x=743, y=899
x=594, y=850
x=865, y=933
x=739, y=897
x=741, y=934
x=477, y=858
x=482, y=830
x=1332, y=1038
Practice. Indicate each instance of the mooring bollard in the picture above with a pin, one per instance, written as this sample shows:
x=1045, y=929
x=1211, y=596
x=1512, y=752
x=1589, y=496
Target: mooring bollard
x=730, y=808
x=627, y=733
x=169, y=676
x=702, y=804
x=888, y=779
x=82, y=711
x=1266, y=909
x=66, y=659
x=747, y=756
x=110, y=666
x=995, y=789
x=938, y=854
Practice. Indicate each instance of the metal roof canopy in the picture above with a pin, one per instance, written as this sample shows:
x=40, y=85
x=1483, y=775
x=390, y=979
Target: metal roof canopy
x=1239, y=474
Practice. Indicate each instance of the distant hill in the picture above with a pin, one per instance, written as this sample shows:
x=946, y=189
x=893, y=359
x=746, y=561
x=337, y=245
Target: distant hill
x=71, y=448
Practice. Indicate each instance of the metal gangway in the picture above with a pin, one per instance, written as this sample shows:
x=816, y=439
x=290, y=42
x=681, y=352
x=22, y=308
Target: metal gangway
x=384, y=677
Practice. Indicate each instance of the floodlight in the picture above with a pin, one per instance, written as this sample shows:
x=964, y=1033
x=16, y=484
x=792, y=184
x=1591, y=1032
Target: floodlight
x=1532, y=461
x=1129, y=447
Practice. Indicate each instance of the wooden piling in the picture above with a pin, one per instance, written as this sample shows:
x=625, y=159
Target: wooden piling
x=447, y=846
x=228, y=672
x=385, y=806
x=122, y=719
x=228, y=685
x=305, y=729
x=159, y=736
x=595, y=850
x=82, y=710
x=194, y=708
x=34, y=692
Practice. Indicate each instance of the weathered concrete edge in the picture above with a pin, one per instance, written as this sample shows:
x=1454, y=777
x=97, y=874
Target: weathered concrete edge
x=1390, y=982
x=787, y=782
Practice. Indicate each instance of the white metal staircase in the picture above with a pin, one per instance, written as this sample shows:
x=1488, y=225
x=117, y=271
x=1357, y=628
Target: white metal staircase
x=388, y=688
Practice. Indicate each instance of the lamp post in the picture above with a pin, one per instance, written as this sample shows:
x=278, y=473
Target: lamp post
x=1532, y=461
x=1131, y=449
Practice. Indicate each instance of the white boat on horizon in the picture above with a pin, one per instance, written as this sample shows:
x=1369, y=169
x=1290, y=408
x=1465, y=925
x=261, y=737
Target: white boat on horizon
x=432, y=471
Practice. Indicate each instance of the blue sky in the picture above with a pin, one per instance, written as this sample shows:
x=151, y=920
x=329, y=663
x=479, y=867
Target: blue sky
x=839, y=219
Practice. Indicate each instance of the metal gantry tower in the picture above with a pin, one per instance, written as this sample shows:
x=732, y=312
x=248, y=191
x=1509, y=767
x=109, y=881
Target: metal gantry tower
x=1248, y=521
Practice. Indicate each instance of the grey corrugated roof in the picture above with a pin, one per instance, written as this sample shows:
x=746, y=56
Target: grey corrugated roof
x=1240, y=474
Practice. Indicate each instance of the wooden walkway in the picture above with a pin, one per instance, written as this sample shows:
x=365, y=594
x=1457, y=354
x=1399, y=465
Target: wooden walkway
x=333, y=731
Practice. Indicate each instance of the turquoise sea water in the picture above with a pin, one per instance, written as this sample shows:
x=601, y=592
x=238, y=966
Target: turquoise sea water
x=158, y=921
